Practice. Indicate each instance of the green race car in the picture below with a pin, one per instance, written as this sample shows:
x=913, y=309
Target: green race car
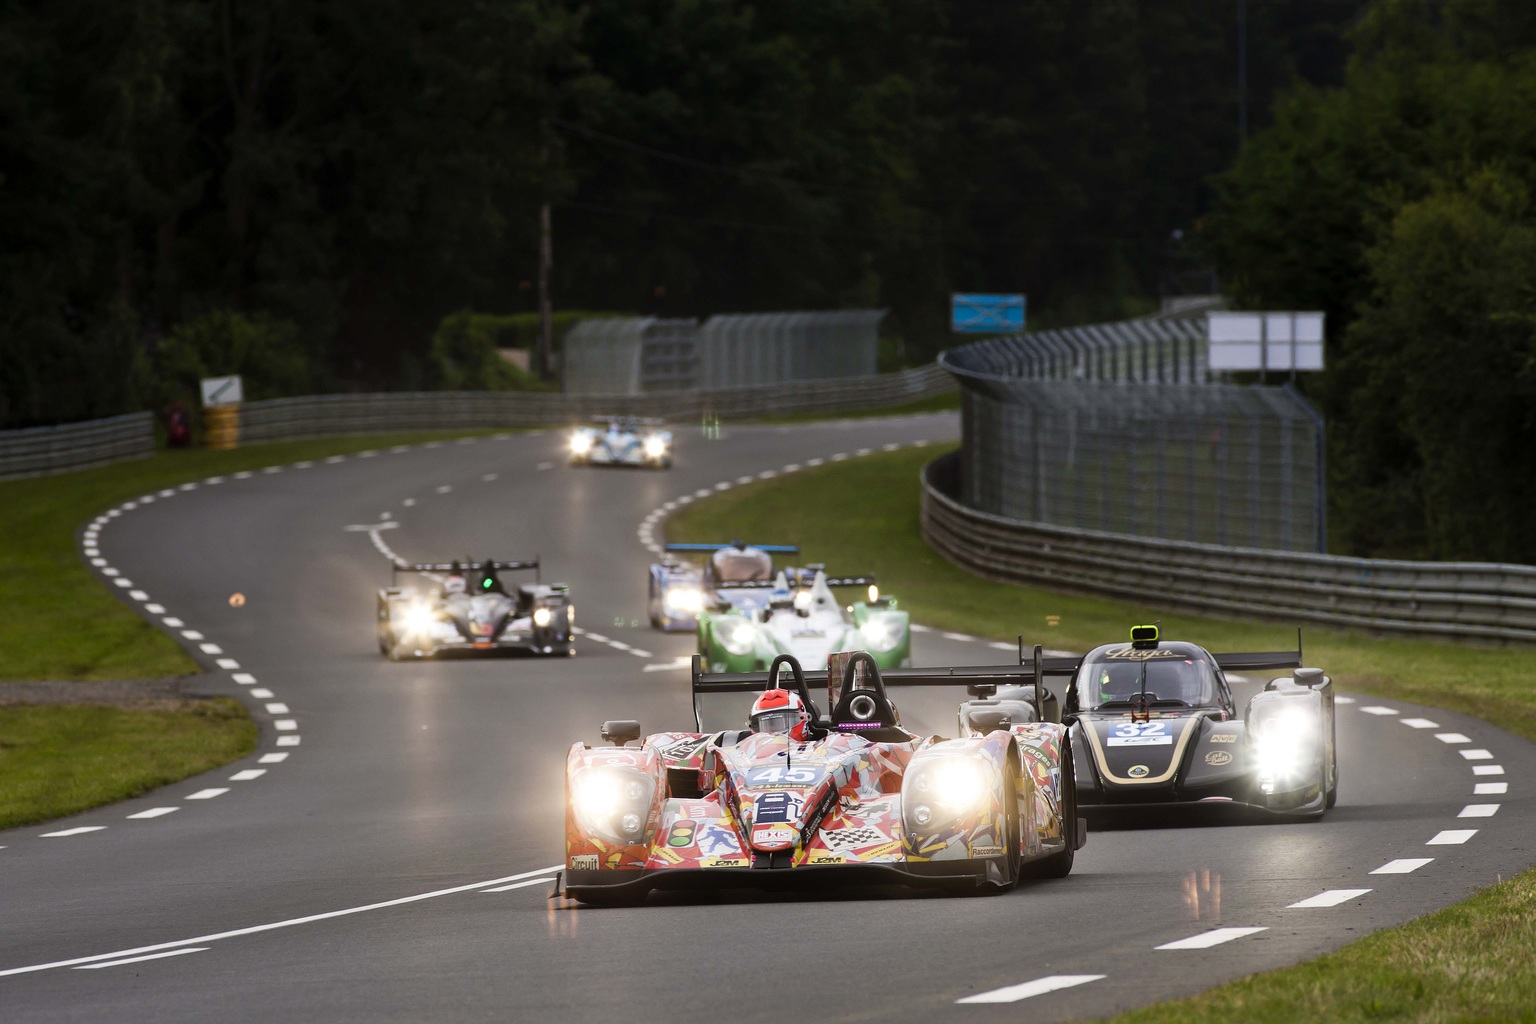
x=803, y=618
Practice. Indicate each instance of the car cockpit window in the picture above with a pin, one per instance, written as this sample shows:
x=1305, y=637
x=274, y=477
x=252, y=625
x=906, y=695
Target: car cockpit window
x=1177, y=678
x=742, y=566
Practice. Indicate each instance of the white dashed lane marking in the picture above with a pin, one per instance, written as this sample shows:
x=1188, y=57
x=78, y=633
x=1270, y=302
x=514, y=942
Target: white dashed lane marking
x=154, y=812
x=1479, y=811
x=1476, y=755
x=1377, y=709
x=1330, y=898
x=1215, y=937
x=1487, y=769
x=78, y=831
x=1420, y=723
x=519, y=885
x=247, y=775
x=1452, y=837
x=207, y=794
x=1452, y=737
x=1402, y=867
x=1038, y=987
x=1490, y=788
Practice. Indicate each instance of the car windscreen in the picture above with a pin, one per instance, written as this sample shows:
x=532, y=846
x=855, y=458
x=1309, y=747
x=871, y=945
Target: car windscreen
x=1106, y=681
x=742, y=566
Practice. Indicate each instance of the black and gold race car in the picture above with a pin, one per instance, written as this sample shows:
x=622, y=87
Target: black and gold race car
x=1153, y=722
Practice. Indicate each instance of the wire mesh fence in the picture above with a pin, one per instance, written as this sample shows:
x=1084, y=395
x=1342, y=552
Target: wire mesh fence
x=1124, y=438
x=643, y=355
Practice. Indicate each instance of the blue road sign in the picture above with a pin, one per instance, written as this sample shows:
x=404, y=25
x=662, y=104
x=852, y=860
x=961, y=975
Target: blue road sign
x=986, y=314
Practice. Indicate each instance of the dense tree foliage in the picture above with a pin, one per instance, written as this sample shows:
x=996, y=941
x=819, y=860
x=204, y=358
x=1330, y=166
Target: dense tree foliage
x=1401, y=204
x=360, y=169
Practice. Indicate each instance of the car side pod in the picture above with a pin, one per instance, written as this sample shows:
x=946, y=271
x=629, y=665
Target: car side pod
x=1291, y=728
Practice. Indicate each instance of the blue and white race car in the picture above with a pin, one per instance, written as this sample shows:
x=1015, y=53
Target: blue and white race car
x=680, y=590
x=622, y=441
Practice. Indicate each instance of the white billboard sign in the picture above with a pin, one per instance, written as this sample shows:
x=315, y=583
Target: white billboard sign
x=1265, y=341
x=221, y=391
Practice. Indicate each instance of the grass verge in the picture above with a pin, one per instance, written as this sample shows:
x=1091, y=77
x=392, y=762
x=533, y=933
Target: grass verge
x=58, y=760
x=60, y=623
x=1472, y=961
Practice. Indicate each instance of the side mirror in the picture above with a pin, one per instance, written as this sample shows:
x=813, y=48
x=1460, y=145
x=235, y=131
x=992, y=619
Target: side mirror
x=621, y=731
x=982, y=691
x=988, y=720
x=1308, y=677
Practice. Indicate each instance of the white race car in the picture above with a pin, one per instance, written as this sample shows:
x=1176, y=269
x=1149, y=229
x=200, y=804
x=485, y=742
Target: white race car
x=622, y=441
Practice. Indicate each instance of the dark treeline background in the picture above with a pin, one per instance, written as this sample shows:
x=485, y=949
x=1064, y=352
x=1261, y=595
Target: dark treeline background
x=311, y=192
x=302, y=190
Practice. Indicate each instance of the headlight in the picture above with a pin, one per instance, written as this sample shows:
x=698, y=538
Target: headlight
x=880, y=634
x=737, y=637
x=1284, y=743
x=874, y=593
x=581, y=443
x=613, y=803
x=803, y=601
x=418, y=618
x=941, y=789
x=541, y=617
x=685, y=600
x=655, y=447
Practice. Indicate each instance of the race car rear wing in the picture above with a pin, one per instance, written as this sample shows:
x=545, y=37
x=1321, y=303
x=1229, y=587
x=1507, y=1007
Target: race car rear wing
x=396, y=568
x=1256, y=661
x=639, y=421
x=974, y=677
x=804, y=578
x=775, y=549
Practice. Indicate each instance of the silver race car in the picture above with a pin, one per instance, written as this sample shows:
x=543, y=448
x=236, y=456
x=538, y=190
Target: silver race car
x=680, y=590
x=469, y=610
x=622, y=441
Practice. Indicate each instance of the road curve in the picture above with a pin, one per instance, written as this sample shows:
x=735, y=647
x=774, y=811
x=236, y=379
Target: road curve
x=385, y=854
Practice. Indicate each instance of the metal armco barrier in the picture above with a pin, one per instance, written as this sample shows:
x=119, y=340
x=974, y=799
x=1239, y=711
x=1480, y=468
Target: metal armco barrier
x=320, y=415
x=1441, y=600
x=43, y=450
x=81, y=445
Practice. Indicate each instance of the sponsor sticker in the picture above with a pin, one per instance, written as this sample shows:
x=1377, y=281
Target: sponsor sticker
x=773, y=837
x=1223, y=737
x=986, y=851
x=1137, y=771
x=888, y=851
x=682, y=833
x=823, y=857
x=843, y=839
x=584, y=862
x=723, y=862
x=1141, y=654
x=1139, y=734
x=1218, y=758
x=670, y=856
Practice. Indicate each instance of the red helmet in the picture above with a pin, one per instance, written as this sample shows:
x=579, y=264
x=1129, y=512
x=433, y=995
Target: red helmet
x=778, y=711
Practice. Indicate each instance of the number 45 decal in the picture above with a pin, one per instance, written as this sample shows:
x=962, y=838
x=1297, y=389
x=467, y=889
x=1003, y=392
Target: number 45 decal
x=794, y=775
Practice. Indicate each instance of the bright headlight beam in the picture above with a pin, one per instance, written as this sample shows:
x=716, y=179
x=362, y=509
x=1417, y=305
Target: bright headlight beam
x=685, y=600
x=581, y=443
x=541, y=617
x=418, y=618
x=959, y=783
x=655, y=447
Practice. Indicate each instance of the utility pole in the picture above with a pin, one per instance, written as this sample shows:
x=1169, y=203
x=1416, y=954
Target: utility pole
x=544, y=358
x=1242, y=73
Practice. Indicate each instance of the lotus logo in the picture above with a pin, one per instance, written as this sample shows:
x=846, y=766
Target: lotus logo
x=1137, y=771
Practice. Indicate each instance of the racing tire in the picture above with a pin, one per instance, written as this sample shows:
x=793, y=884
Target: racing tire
x=1059, y=865
x=1013, y=841
x=654, y=607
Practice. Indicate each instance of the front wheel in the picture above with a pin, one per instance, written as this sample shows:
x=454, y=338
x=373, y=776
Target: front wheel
x=1059, y=865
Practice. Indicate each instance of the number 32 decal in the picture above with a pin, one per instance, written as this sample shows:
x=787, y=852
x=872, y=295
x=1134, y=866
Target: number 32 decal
x=1139, y=734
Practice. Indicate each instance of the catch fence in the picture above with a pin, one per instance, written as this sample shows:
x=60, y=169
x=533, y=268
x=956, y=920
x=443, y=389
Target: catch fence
x=1118, y=428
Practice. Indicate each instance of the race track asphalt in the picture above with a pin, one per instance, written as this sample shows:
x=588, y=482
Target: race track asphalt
x=349, y=881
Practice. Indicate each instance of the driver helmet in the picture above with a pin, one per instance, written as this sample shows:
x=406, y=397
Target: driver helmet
x=779, y=711
x=1115, y=689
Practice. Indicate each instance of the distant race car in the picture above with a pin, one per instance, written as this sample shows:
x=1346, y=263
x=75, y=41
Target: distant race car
x=1153, y=723
x=801, y=616
x=853, y=799
x=622, y=441
x=680, y=590
x=470, y=611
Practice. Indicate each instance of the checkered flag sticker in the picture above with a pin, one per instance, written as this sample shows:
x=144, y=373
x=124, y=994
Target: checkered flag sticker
x=845, y=839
